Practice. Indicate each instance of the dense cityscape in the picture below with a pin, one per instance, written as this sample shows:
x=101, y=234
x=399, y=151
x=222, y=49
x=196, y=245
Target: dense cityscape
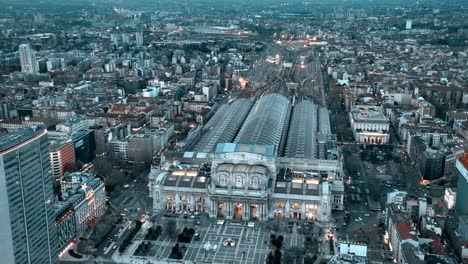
x=236, y=131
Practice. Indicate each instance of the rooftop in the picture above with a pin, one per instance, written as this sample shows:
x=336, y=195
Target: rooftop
x=224, y=125
x=10, y=140
x=464, y=161
x=301, y=142
x=368, y=113
x=265, y=150
x=185, y=178
x=458, y=114
x=266, y=121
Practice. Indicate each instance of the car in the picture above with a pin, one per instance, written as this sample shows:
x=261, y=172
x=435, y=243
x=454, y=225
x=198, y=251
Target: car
x=192, y=216
x=344, y=224
x=114, y=247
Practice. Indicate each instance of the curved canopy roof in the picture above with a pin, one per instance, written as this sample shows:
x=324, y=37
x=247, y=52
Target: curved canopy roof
x=223, y=126
x=302, y=136
x=266, y=122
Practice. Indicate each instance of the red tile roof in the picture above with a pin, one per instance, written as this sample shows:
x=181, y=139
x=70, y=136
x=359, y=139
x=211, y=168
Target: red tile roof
x=404, y=229
x=438, y=248
x=464, y=160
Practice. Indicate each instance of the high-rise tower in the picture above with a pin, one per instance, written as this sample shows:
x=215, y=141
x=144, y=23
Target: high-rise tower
x=28, y=59
x=139, y=39
x=462, y=188
x=26, y=199
x=409, y=23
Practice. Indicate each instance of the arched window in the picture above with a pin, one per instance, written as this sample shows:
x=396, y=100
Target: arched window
x=222, y=180
x=255, y=182
x=238, y=181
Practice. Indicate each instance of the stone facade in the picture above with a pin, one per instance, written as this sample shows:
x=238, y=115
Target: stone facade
x=243, y=184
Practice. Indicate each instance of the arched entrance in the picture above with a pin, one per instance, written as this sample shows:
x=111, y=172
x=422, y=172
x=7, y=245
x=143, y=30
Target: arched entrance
x=238, y=211
x=254, y=212
x=278, y=214
x=221, y=210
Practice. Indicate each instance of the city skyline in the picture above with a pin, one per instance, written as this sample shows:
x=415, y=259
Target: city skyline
x=203, y=131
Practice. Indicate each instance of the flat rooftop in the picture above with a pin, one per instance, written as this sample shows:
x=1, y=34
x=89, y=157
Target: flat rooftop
x=265, y=150
x=10, y=140
x=368, y=113
x=464, y=161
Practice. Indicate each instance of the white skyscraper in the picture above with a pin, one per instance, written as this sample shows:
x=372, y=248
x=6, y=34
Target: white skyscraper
x=115, y=39
x=125, y=38
x=139, y=39
x=28, y=59
x=409, y=23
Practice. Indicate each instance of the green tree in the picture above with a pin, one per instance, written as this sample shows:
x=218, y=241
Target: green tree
x=170, y=227
x=104, y=226
x=293, y=255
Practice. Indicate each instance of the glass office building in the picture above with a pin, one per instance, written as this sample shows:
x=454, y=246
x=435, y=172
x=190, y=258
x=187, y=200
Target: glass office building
x=461, y=202
x=27, y=216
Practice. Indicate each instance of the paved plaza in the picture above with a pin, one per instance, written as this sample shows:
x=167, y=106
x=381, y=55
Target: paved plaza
x=251, y=245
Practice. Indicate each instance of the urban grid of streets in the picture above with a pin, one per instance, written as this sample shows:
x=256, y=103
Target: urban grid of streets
x=120, y=72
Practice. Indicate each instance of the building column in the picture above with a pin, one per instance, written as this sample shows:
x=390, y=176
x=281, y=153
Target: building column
x=260, y=211
x=177, y=201
x=286, y=210
x=214, y=208
x=192, y=202
x=303, y=210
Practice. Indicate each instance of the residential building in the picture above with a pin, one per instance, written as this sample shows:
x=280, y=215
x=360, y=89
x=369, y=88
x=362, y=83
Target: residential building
x=62, y=157
x=84, y=204
x=140, y=148
x=450, y=196
x=432, y=164
x=118, y=149
x=28, y=59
